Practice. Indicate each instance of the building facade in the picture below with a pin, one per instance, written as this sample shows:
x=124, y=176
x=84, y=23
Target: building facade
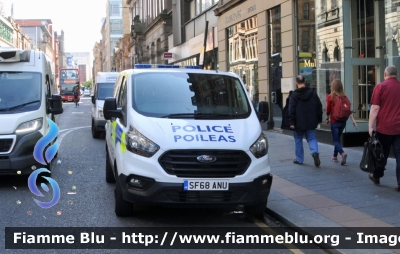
x=196, y=42
x=122, y=56
x=268, y=43
x=113, y=31
x=11, y=34
x=79, y=59
x=97, y=59
x=151, y=23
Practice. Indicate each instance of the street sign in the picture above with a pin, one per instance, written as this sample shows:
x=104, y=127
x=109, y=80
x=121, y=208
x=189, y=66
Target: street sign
x=167, y=55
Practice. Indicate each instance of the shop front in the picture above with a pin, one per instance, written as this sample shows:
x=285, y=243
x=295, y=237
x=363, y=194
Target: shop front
x=253, y=48
x=348, y=41
x=193, y=53
x=269, y=43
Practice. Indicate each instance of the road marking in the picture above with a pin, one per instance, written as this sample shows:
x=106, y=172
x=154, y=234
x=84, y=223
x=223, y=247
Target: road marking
x=269, y=230
x=66, y=131
x=77, y=112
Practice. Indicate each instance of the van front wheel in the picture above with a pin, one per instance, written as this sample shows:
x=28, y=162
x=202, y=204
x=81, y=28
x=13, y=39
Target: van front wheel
x=123, y=208
x=257, y=210
x=95, y=133
x=109, y=171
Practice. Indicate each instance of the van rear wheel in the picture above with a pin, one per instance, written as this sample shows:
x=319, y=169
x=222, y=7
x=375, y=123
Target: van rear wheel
x=123, y=208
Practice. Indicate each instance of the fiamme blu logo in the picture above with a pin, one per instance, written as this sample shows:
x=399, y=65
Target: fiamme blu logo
x=43, y=153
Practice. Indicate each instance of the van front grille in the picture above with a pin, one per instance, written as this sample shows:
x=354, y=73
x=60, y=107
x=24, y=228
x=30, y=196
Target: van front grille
x=5, y=145
x=184, y=163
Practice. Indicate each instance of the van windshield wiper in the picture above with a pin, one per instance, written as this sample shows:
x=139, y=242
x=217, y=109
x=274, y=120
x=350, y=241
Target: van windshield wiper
x=199, y=115
x=21, y=105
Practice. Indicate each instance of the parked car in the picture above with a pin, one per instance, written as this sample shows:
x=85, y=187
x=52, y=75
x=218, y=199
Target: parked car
x=86, y=92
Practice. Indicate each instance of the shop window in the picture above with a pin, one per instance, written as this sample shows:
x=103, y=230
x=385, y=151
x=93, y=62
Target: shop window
x=242, y=45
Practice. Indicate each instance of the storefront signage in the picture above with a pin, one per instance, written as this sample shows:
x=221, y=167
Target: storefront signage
x=309, y=64
x=195, y=44
x=167, y=55
x=238, y=14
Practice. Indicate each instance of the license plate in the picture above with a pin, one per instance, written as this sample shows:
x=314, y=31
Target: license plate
x=205, y=185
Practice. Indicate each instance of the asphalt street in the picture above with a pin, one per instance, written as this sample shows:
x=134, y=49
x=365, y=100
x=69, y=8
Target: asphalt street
x=88, y=201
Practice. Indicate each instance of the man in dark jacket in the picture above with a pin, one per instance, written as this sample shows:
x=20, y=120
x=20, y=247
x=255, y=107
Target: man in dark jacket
x=305, y=113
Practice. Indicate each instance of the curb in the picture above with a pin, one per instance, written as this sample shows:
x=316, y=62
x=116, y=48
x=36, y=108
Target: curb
x=324, y=247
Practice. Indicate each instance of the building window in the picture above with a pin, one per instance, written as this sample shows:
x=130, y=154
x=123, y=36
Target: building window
x=115, y=27
x=230, y=52
x=115, y=10
x=243, y=48
x=202, y=5
x=323, y=6
x=278, y=40
x=305, y=39
x=306, y=11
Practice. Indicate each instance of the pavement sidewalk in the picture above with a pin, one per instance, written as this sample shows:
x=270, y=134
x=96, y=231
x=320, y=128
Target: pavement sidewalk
x=331, y=195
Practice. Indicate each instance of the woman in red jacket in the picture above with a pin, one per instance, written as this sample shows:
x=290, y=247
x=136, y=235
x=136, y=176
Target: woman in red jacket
x=337, y=127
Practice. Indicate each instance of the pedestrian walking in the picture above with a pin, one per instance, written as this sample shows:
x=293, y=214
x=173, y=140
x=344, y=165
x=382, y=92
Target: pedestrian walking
x=76, y=96
x=337, y=126
x=305, y=113
x=385, y=112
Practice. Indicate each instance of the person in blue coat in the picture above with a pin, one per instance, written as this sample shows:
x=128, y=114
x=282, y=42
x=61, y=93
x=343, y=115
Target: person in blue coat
x=305, y=113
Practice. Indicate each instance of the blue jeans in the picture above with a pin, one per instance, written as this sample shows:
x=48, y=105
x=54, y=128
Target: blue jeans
x=387, y=142
x=337, y=130
x=298, y=143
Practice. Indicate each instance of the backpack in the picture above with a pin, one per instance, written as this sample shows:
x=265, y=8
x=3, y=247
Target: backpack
x=341, y=109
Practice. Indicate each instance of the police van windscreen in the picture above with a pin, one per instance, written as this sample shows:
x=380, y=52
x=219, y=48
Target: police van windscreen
x=105, y=90
x=189, y=95
x=19, y=91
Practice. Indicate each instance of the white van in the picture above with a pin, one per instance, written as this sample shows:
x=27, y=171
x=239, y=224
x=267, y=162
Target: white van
x=185, y=137
x=28, y=98
x=102, y=88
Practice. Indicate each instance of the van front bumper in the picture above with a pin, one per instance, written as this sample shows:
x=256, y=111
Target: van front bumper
x=21, y=160
x=172, y=194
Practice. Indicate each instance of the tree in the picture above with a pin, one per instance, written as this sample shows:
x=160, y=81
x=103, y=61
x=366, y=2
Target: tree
x=88, y=84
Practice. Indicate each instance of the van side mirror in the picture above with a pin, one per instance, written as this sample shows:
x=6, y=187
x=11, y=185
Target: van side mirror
x=55, y=105
x=110, y=109
x=263, y=111
x=93, y=99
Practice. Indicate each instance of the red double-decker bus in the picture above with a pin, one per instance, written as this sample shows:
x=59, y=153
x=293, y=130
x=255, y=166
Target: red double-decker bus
x=69, y=82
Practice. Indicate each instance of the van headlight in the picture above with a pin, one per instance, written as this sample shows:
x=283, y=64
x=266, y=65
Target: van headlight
x=137, y=143
x=260, y=147
x=30, y=126
x=100, y=112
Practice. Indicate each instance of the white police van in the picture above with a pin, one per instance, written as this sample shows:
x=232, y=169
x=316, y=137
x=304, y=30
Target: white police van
x=102, y=88
x=185, y=137
x=28, y=97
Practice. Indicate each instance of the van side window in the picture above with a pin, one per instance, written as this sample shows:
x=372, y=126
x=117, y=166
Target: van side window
x=122, y=100
x=117, y=86
x=118, y=96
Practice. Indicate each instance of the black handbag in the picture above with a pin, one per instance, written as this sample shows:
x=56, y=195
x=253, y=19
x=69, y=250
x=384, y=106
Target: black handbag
x=373, y=155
